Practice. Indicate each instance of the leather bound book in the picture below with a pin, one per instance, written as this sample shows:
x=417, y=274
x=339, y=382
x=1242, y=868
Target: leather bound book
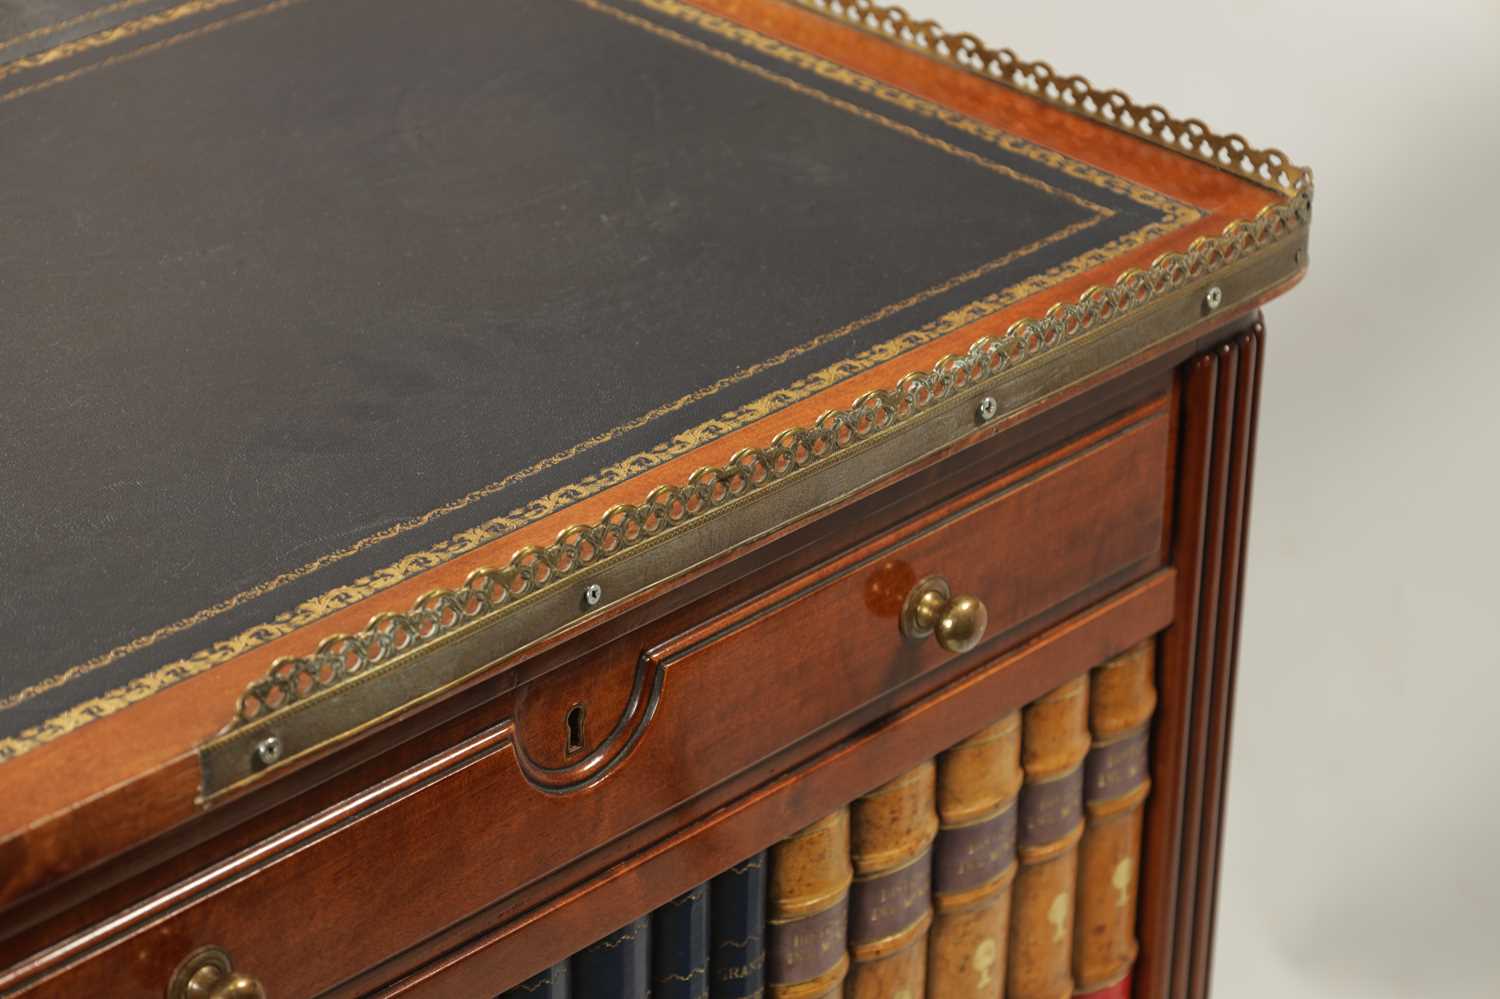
x=1122, y=696
x=890, y=906
x=616, y=967
x=808, y=902
x=737, y=959
x=549, y=984
x=974, y=862
x=679, y=947
x=1054, y=742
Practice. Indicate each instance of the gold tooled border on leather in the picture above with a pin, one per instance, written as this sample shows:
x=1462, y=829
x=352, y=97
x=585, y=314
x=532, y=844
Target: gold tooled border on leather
x=1157, y=302
x=449, y=634
x=78, y=20
x=401, y=660
x=1175, y=215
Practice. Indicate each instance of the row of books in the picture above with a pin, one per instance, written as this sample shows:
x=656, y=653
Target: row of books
x=1007, y=867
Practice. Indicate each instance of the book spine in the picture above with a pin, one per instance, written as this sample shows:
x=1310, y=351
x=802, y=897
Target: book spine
x=617, y=966
x=1054, y=742
x=737, y=898
x=890, y=904
x=679, y=947
x=808, y=911
x=549, y=984
x=1122, y=697
x=974, y=863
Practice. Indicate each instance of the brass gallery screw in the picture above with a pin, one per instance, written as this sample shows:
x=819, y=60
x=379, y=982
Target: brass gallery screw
x=268, y=750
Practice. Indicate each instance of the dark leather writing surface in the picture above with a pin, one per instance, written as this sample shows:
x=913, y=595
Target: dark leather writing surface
x=295, y=289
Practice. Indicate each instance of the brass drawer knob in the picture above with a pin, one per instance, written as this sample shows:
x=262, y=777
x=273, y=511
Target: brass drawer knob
x=931, y=608
x=207, y=973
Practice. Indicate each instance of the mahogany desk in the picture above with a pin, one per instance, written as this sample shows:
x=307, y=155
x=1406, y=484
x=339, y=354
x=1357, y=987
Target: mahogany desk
x=464, y=462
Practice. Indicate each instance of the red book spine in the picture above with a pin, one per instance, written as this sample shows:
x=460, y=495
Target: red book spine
x=1119, y=990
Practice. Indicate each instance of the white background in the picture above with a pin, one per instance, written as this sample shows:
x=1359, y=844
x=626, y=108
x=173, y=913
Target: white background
x=1363, y=844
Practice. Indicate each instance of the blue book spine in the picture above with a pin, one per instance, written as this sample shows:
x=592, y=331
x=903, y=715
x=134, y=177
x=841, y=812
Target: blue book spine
x=616, y=967
x=737, y=957
x=549, y=984
x=679, y=947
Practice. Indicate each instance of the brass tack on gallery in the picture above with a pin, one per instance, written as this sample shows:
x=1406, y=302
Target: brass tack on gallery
x=1214, y=298
x=268, y=750
x=988, y=407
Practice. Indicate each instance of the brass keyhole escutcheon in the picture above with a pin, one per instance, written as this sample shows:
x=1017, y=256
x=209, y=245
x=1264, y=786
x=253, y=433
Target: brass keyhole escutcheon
x=207, y=973
x=932, y=609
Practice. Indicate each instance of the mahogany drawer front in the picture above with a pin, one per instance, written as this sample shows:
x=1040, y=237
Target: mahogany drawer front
x=597, y=748
x=820, y=648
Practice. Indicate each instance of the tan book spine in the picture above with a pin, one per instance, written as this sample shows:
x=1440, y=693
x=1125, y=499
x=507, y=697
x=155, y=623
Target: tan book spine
x=807, y=918
x=1054, y=742
x=974, y=863
x=1122, y=697
x=890, y=905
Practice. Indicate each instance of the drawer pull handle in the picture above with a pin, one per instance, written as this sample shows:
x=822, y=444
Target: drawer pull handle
x=931, y=608
x=207, y=973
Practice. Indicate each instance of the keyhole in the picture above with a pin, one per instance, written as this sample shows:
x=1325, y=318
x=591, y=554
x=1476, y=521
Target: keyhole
x=575, y=729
